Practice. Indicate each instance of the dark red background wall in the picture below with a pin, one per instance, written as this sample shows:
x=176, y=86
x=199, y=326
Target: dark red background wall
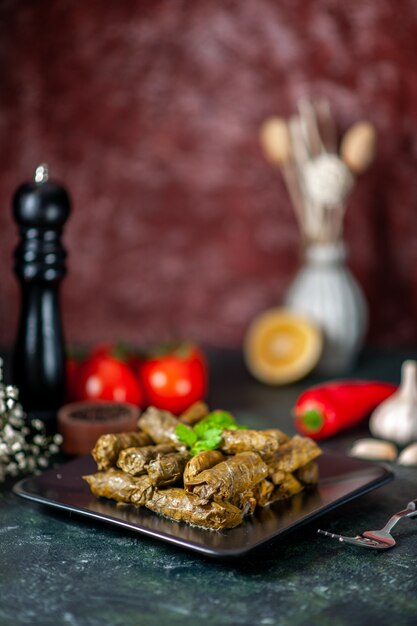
x=148, y=112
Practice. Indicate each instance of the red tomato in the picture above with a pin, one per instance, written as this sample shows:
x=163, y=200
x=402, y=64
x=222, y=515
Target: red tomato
x=103, y=377
x=174, y=380
x=120, y=351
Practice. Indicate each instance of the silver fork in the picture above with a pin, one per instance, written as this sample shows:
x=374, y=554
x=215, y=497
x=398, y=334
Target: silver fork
x=376, y=539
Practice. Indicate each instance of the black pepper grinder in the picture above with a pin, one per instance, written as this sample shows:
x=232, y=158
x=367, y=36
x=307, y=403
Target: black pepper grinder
x=40, y=209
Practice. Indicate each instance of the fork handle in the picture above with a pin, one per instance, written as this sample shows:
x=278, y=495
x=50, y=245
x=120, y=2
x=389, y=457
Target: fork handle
x=412, y=506
x=410, y=511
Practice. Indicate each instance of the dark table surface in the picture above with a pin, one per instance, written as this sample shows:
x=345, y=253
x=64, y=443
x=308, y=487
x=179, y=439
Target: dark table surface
x=57, y=568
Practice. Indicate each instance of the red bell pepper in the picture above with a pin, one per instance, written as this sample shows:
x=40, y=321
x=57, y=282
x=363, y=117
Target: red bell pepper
x=326, y=409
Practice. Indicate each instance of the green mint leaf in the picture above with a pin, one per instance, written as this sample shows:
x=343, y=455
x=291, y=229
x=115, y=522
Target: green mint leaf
x=207, y=434
x=219, y=419
x=212, y=434
x=202, y=445
x=185, y=435
x=210, y=441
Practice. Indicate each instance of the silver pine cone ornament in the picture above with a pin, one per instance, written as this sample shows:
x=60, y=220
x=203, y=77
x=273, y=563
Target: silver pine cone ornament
x=24, y=445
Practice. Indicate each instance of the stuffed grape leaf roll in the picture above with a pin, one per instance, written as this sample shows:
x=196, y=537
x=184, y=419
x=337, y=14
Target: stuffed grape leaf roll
x=308, y=474
x=289, y=487
x=229, y=478
x=292, y=455
x=159, y=425
x=117, y=485
x=202, y=461
x=236, y=441
x=108, y=447
x=179, y=505
x=136, y=460
x=194, y=413
x=277, y=434
x=168, y=469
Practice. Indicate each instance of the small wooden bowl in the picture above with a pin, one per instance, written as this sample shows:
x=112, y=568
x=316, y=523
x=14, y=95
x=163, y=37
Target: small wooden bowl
x=82, y=423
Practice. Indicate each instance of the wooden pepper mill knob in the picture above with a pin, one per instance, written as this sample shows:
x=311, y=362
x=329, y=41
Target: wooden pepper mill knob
x=40, y=209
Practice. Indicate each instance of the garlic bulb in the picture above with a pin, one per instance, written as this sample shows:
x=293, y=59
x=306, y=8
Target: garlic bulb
x=396, y=418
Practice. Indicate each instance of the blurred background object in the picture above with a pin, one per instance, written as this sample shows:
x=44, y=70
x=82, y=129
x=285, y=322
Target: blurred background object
x=396, y=417
x=281, y=347
x=25, y=445
x=149, y=113
x=318, y=181
x=40, y=209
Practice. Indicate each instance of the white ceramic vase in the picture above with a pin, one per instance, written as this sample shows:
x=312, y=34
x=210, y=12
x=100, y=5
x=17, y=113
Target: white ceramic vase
x=325, y=291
